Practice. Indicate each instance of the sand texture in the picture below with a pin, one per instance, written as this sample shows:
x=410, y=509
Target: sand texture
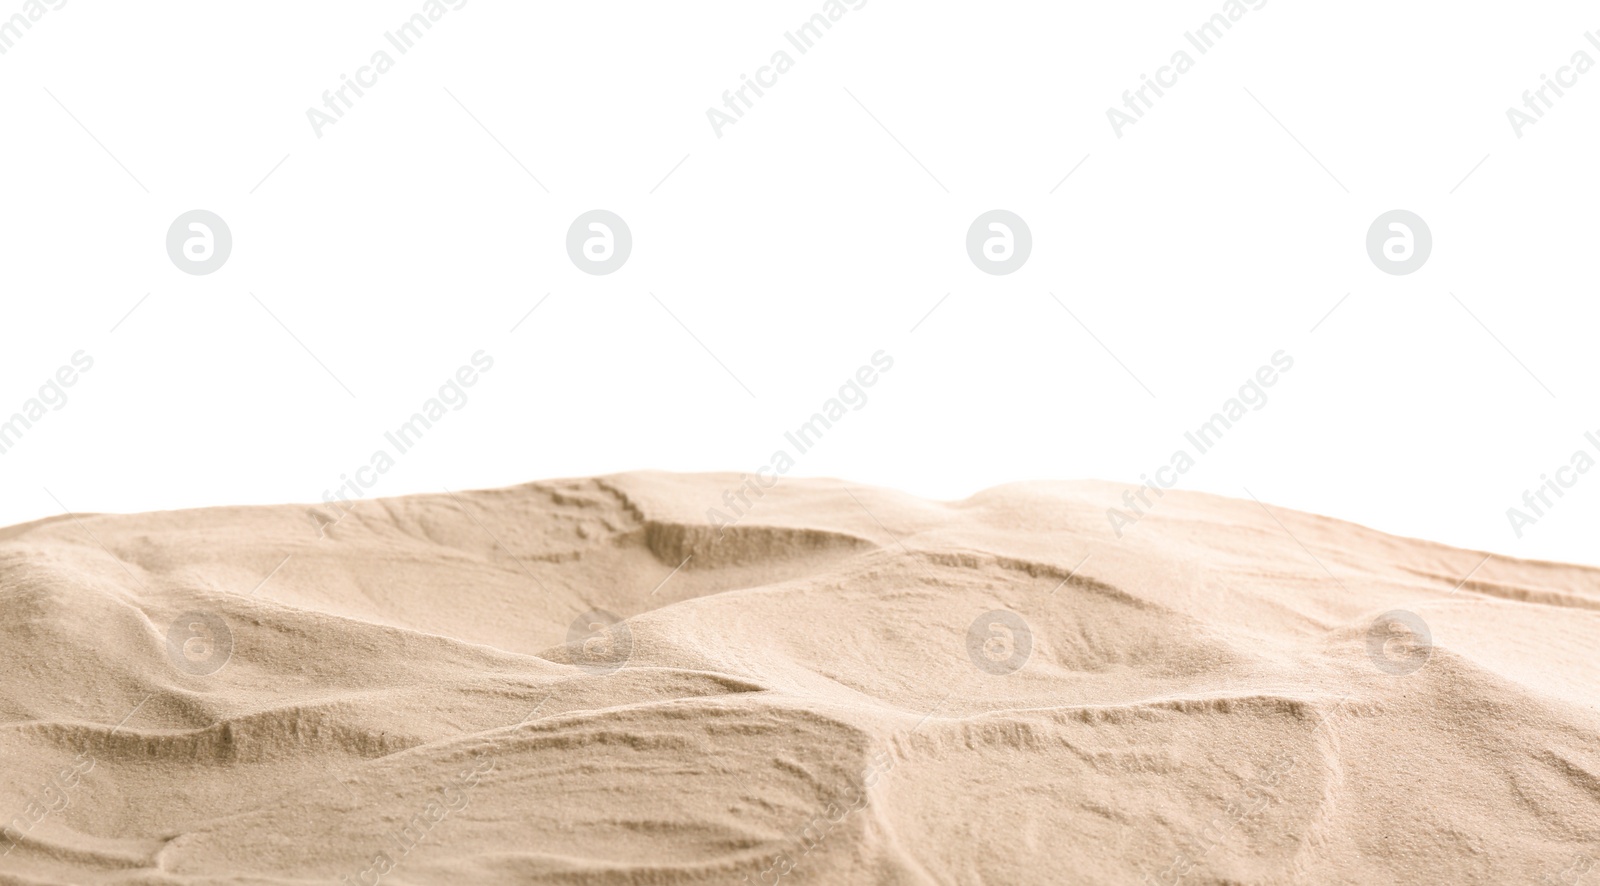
x=846, y=685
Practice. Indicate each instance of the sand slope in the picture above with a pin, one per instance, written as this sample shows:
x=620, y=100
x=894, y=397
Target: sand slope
x=830, y=691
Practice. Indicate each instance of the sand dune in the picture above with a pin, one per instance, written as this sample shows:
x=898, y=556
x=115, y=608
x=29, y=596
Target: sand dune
x=585, y=681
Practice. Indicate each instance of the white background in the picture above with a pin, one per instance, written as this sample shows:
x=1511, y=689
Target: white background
x=799, y=243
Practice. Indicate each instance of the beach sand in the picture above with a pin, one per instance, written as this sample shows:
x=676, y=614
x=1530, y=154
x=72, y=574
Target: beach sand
x=846, y=685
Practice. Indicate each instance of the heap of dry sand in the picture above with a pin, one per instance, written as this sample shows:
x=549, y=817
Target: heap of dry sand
x=584, y=681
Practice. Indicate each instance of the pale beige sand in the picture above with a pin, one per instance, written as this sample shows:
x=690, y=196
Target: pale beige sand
x=1199, y=705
